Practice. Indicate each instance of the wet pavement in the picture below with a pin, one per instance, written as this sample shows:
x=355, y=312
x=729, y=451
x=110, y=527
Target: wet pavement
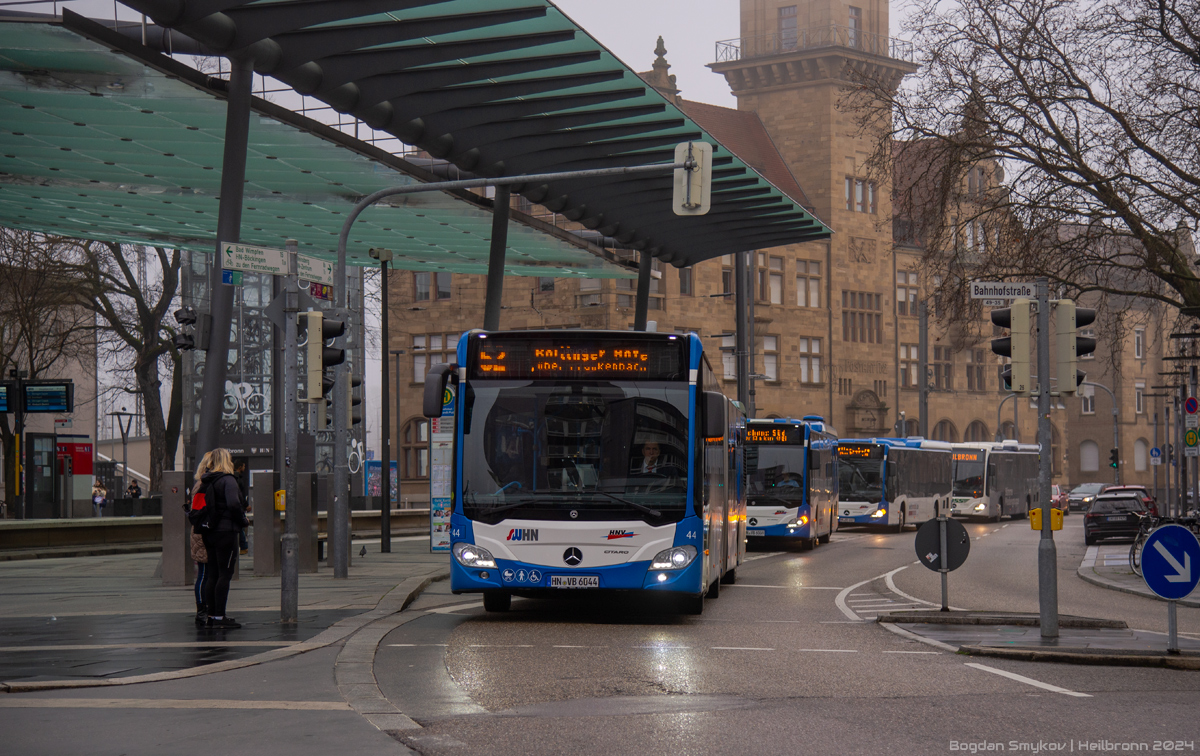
x=1107, y=564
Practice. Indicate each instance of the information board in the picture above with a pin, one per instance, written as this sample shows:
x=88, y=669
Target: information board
x=775, y=434
x=860, y=451
x=623, y=357
x=49, y=397
x=6, y=390
x=441, y=471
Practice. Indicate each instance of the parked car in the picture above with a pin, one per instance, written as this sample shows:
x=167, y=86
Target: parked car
x=1113, y=515
x=1058, y=499
x=1147, y=499
x=1081, y=496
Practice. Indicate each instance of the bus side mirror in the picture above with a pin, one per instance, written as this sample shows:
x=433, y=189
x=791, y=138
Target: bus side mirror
x=435, y=389
x=714, y=414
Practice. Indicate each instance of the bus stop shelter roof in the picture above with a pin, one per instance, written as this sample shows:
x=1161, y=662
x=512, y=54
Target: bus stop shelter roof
x=503, y=88
x=102, y=139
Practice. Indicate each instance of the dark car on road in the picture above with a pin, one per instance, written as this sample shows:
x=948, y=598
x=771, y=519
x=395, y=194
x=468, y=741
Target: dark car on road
x=1081, y=496
x=1141, y=491
x=1116, y=515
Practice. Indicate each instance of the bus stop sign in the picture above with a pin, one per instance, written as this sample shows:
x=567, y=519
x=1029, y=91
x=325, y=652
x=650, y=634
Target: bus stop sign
x=929, y=544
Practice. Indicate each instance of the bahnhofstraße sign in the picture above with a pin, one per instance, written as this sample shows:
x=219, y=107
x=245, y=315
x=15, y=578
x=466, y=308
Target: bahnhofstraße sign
x=1002, y=290
x=254, y=259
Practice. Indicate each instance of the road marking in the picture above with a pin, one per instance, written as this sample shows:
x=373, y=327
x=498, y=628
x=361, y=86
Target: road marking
x=891, y=584
x=840, y=601
x=107, y=646
x=918, y=638
x=454, y=608
x=935, y=653
x=575, y=647
x=665, y=648
x=1028, y=680
x=738, y=648
x=796, y=587
x=1089, y=558
x=843, y=622
x=417, y=645
x=827, y=650
x=13, y=702
x=499, y=645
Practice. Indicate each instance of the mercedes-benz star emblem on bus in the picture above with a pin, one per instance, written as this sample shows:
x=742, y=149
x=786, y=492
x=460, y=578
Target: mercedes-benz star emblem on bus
x=572, y=556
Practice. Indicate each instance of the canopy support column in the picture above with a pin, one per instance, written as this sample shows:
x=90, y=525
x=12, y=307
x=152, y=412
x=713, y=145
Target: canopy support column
x=741, y=293
x=642, y=300
x=495, y=275
x=229, y=229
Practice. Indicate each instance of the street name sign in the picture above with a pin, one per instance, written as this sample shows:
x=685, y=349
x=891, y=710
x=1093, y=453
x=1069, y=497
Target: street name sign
x=1003, y=290
x=1171, y=562
x=254, y=259
x=314, y=270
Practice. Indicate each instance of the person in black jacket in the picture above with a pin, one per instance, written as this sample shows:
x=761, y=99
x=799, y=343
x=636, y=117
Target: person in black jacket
x=224, y=522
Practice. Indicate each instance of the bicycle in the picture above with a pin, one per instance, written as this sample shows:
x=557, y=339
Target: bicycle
x=1147, y=525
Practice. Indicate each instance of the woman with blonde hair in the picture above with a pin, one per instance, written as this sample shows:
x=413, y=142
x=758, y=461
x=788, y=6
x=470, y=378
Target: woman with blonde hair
x=199, y=554
x=226, y=519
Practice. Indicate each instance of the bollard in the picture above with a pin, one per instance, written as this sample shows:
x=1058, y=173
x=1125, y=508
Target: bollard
x=177, y=565
x=306, y=520
x=266, y=524
x=290, y=586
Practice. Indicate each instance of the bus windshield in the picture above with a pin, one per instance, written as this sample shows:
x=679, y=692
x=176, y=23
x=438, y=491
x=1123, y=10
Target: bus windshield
x=968, y=477
x=775, y=475
x=575, y=451
x=860, y=478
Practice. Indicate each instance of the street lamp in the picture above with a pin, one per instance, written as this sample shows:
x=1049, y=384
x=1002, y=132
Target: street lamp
x=387, y=474
x=384, y=256
x=125, y=423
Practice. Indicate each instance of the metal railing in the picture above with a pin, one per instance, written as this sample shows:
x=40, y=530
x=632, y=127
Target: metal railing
x=833, y=35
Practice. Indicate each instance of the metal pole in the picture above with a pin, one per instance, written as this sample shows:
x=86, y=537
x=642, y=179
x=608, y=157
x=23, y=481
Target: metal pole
x=751, y=340
x=229, y=229
x=999, y=434
x=385, y=513
x=923, y=368
x=1047, y=553
x=1168, y=457
x=1172, y=629
x=1181, y=432
x=399, y=428
x=641, y=301
x=1160, y=455
x=945, y=570
x=1016, y=422
x=743, y=366
x=289, y=583
x=495, y=275
x=1195, y=460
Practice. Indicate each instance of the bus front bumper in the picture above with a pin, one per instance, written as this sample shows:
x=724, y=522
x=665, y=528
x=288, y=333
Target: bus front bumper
x=524, y=578
x=779, y=531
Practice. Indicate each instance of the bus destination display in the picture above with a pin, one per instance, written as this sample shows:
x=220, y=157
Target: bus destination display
x=860, y=451
x=49, y=397
x=776, y=434
x=972, y=455
x=612, y=359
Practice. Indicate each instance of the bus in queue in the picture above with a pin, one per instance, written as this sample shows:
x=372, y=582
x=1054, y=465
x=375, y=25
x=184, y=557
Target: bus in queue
x=591, y=461
x=994, y=479
x=791, y=480
x=892, y=482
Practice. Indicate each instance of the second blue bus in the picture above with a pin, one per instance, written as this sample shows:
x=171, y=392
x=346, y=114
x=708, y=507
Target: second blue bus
x=791, y=480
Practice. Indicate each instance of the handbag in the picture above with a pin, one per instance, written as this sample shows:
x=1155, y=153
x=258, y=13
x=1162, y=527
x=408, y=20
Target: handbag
x=199, y=552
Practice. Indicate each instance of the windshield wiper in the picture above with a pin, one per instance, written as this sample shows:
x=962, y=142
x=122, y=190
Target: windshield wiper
x=640, y=507
x=508, y=505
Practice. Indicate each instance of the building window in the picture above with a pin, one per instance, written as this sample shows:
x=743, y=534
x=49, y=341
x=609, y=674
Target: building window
x=770, y=279
x=976, y=237
x=1139, y=397
x=945, y=431
x=1139, y=343
x=728, y=358
x=685, y=282
x=429, y=285
x=861, y=318
x=881, y=388
x=846, y=386
x=414, y=450
x=432, y=349
x=909, y=364
x=1008, y=430
x=1090, y=333
x=912, y=428
x=727, y=278
x=975, y=180
x=906, y=293
x=545, y=284
x=771, y=358
x=1140, y=451
x=977, y=431
x=1089, y=457
x=787, y=27
x=976, y=380
x=1087, y=396
x=860, y=195
x=810, y=360
x=943, y=368
x=421, y=287
x=654, y=302
x=808, y=283
x=856, y=24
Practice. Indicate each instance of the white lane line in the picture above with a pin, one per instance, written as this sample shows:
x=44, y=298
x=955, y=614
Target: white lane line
x=935, y=653
x=112, y=646
x=14, y=702
x=666, y=648
x=454, y=608
x=738, y=648
x=763, y=556
x=891, y=584
x=828, y=650
x=1089, y=558
x=842, y=622
x=1027, y=680
x=840, y=601
x=417, y=645
x=499, y=645
x=918, y=638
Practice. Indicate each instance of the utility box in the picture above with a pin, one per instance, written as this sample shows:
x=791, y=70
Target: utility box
x=177, y=565
x=267, y=555
x=306, y=520
x=1056, y=519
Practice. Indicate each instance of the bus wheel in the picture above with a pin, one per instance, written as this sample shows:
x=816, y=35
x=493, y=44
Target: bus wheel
x=900, y=525
x=497, y=601
x=729, y=578
x=692, y=604
x=714, y=590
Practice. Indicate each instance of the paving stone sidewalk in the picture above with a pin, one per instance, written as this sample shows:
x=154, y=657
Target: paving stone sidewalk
x=1107, y=565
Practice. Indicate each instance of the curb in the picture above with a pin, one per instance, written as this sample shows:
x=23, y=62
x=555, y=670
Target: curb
x=1067, y=656
x=935, y=617
x=1115, y=586
x=67, y=552
x=392, y=602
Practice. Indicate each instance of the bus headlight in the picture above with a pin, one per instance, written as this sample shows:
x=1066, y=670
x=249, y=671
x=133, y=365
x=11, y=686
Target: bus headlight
x=799, y=522
x=673, y=559
x=879, y=513
x=470, y=555
x=980, y=507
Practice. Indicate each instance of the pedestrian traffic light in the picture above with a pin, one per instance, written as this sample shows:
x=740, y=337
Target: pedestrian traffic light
x=353, y=403
x=1067, y=320
x=1016, y=345
x=1114, y=458
x=319, y=329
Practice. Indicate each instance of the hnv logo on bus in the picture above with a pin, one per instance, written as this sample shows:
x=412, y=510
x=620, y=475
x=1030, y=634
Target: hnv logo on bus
x=614, y=534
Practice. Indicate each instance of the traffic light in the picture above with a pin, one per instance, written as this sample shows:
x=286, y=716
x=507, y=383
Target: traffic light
x=1114, y=458
x=1016, y=345
x=353, y=403
x=198, y=338
x=1068, y=319
x=319, y=329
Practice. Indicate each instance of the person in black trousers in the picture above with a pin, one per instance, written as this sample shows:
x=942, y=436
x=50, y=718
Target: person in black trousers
x=223, y=524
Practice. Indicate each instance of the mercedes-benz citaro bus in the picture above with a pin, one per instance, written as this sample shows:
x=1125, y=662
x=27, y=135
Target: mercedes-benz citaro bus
x=591, y=460
x=892, y=482
x=994, y=479
x=791, y=480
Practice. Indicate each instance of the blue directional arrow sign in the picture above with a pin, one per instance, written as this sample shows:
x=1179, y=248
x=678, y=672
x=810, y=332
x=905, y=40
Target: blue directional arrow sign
x=1171, y=562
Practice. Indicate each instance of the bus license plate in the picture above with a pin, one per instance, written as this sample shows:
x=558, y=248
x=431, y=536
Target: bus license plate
x=756, y=532
x=574, y=581
x=847, y=520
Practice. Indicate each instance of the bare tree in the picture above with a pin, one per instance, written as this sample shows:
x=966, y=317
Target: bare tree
x=41, y=329
x=1048, y=137
x=132, y=310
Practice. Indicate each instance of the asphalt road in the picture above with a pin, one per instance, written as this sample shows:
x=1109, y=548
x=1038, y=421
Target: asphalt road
x=785, y=662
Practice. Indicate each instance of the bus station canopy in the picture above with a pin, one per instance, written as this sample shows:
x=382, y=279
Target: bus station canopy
x=102, y=140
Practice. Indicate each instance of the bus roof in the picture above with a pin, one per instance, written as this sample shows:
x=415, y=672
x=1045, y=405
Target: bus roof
x=815, y=422
x=912, y=442
x=1008, y=445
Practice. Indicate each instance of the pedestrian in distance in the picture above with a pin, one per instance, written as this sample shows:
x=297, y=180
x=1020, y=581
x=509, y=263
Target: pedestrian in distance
x=134, y=491
x=225, y=518
x=196, y=503
x=99, y=499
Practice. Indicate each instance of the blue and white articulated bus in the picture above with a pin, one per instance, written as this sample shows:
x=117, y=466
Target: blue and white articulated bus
x=994, y=479
x=892, y=482
x=591, y=460
x=791, y=480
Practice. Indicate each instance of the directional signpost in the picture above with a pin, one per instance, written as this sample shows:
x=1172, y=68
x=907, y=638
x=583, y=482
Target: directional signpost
x=943, y=545
x=1171, y=568
x=254, y=259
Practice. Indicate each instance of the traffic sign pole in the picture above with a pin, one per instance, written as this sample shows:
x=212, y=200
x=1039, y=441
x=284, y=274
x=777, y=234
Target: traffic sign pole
x=1171, y=569
x=1172, y=629
x=1047, y=552
x=945, y=565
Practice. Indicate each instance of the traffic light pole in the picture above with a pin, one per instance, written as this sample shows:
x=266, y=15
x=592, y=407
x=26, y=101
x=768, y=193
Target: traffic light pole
x=289, y=583
x=1196, y=468
x=1047, y=552
x=923, y=369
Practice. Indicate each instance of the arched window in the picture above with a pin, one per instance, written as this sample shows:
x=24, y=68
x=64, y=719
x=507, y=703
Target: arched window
x=912, y=428
x=977, y=431
x=945, y=431
x=1089, y=457
x=1141, y=450
x=414, y=450
x=1008, y=430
